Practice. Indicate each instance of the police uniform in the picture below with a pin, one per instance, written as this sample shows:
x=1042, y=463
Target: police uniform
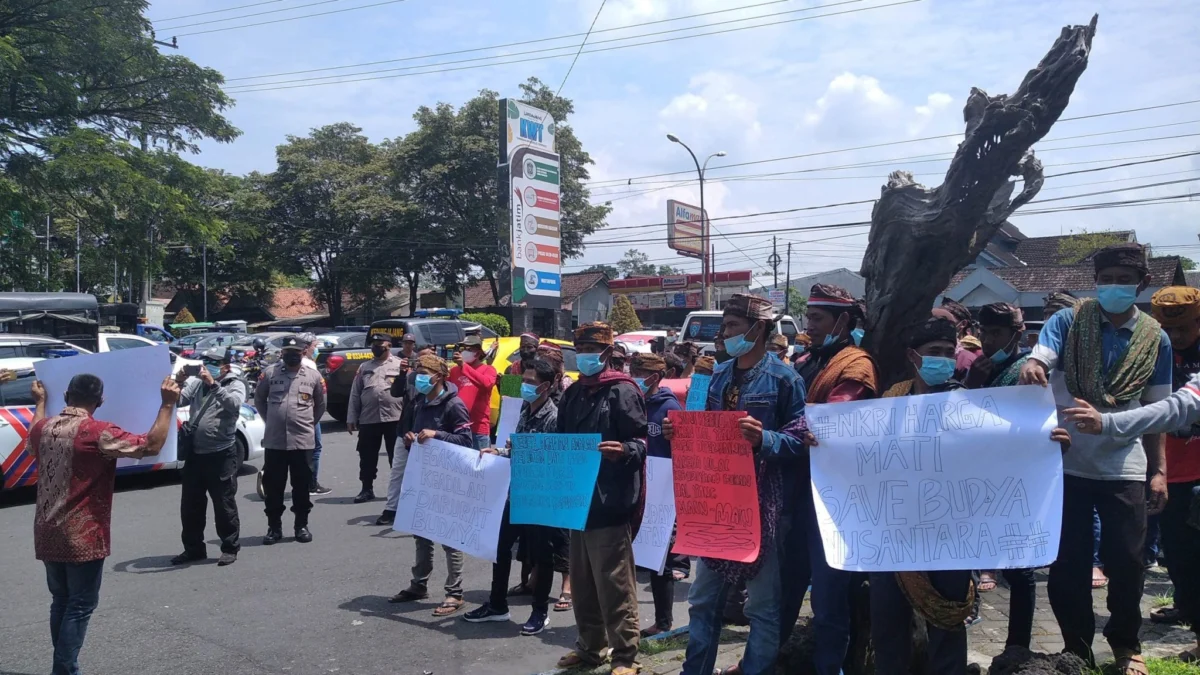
x=292, y=403
x=376, y=412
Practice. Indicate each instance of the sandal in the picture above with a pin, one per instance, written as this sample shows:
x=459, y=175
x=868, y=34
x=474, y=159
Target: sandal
x=627, y=670
x=1100, y=581
x=564, y=603
x=678, y=575
x=1131, y=664
x=987, y=582
x=449, y=606
x=407, y=596
x=519, y=590
x=1167, y=615
x=575, y=658
x=654, y=630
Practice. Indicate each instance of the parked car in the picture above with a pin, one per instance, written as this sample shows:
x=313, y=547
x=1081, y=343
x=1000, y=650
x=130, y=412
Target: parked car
x=41, y=347
x=16, y=417
x=641, y=341
x=347, y=340
x=338, y=365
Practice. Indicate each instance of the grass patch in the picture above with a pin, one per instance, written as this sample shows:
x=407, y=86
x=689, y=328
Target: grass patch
x=1165, y=600
x=655, y=647
x=1156, y=667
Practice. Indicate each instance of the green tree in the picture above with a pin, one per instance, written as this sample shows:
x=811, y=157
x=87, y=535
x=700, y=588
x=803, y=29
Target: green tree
x=797, y=305
x=667, y=270
x=1187, y=264
x=623, y=318
x=496, y=322
x=184, y=316
x=636, y=264
x=1078, y=247
x=447, y=168
x=609, y=271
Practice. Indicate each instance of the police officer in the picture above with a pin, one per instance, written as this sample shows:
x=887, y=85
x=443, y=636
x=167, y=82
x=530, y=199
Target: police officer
x=291, y=399
x=373, y=412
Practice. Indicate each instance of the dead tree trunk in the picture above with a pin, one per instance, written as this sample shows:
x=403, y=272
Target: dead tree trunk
x=920, y=237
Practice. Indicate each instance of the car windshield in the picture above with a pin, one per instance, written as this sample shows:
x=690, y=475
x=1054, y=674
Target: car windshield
x=189, y=340
x=243, y=340
x=702, y=328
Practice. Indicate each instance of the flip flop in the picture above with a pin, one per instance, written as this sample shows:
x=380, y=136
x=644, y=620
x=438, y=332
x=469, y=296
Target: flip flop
x=564, y=604
x=987, y=582
x=575, y=658
x=1099, y=582
x=448, y=607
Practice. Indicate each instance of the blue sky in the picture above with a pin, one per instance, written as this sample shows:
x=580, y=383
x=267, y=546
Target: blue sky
x=852, y=73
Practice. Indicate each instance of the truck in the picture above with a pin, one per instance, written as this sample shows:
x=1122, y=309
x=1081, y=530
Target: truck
x=701, y=328
x=338, y=366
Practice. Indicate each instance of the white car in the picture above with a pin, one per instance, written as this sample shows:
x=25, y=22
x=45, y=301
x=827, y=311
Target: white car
x=16, y=416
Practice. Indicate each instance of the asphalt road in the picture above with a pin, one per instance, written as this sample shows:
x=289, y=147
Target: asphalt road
x=291, y=608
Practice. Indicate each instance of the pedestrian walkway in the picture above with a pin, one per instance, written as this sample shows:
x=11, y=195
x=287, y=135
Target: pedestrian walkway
x=986, y=639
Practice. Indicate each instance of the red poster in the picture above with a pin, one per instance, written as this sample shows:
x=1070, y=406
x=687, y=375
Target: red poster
x=716, y=492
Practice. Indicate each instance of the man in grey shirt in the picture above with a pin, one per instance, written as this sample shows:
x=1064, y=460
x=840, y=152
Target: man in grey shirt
x=214, y=398
x=374, y=412
x=291, y=399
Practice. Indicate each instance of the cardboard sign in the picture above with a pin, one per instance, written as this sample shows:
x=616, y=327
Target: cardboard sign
x=510, y=415
x=132, y=391
x=454, y=496
x=716, y=490
x=965, y=480
x=654, y=538
x=553, y=478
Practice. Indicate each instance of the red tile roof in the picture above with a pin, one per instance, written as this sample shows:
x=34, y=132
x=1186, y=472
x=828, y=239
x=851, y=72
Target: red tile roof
x=1078, y=277
x=289, y=303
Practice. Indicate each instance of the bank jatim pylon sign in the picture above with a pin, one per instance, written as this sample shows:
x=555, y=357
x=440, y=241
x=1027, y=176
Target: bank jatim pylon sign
x=533, y=181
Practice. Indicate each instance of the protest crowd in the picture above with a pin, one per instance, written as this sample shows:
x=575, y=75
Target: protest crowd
x=1126, y=385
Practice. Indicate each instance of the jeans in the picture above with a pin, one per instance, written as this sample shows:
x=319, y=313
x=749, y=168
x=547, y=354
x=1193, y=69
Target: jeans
x=75, y=592
x=316, y=457
x=396, y=480
x=1151, y=550
x=706, y=603
x=369, y=438
x=1122, y=508
x=482, y=441
x=423, y=568
x=830, y=601
x=1096, y=539
x=210, y=475
x=277, y=464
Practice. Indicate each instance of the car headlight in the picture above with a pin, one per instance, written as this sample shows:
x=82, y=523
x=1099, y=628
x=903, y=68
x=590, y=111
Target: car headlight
x=249, y=414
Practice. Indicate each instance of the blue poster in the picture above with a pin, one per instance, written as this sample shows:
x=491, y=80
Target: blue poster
x=698, y=392
x=553, y=478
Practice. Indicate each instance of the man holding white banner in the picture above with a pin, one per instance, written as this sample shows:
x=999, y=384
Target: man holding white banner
x=920, y=491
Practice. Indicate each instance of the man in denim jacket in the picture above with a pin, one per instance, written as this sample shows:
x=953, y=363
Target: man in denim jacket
x=772, y=396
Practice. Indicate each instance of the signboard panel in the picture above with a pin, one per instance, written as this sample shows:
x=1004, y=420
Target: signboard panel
x=527, y=147
x=685, y=229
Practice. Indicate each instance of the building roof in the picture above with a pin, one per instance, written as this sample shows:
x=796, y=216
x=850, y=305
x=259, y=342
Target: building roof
x=1077, y=277
x=573, y=285
x=1193, y=278
x=288, y=303
x=1041, y=251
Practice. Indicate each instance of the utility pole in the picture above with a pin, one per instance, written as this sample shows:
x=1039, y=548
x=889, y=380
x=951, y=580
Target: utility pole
x=77, y=286
x=773, y=260
x=47, y=251
x=116, y=283
x=787, y=293
x=205, y=258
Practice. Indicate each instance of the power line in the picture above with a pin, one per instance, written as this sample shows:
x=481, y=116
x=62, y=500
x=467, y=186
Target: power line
x=511, y=55
x=217, y=11
x=292, y=18
x=628, y=180
x=267, y=87
x=247, y=16
x=510, y=44
x=581, y=44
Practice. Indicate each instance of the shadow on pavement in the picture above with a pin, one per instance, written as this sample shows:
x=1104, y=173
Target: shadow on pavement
x=152, y=564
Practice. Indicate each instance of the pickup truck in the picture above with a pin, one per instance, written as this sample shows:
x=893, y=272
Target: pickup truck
x=338, y=366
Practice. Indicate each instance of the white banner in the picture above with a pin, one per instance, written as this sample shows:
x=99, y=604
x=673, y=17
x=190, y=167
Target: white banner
x=454, y=496
x=957, y=481
x=510, y=415
x=132, y=390
x=654, y=537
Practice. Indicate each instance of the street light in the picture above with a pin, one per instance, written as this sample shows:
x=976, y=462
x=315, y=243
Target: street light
x=704, y=236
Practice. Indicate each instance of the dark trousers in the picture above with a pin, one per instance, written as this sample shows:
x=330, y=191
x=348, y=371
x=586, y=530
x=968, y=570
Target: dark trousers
x=75, y=592
x=1181, y=542
x=538, y=547
x=210, y=475
x=891, y=625
x=1022, y=589
x=797, y=572
x=1122, y=508
x=276, y=466
x=662, y=588
x=369, y=436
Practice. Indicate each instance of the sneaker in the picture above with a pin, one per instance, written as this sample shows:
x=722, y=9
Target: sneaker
x=227, y=559
x=185, y=558
x=537, y=623
x=318, y=489
x=303, y=535
x=387, y=518
x=366, y=495
x=274, y=534
x=485, y=613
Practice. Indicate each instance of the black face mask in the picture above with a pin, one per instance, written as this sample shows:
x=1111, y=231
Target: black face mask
x=528, y=354
x=291, y=358
x=379, y=350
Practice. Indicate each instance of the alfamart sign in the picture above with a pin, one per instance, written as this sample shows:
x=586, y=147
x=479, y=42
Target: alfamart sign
x=527, y=146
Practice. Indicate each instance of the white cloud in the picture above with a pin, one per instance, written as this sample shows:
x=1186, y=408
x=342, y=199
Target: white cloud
x=716, y=101
x=854, y=106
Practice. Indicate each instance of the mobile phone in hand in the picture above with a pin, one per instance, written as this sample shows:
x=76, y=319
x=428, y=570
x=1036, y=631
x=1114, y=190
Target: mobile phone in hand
x=191, y=371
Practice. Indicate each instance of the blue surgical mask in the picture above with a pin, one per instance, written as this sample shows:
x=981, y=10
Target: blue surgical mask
x=828, y=341
x=424, y=383
x=529, y=392
x=1000, y=357
x=1116, y=298
x=936, y=370
x=857, y=335
x=737, y=345
x=641, y=383
x=589, y=364
x=214, y=371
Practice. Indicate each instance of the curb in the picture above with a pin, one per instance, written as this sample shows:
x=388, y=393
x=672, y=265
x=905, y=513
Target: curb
x=661, y=636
